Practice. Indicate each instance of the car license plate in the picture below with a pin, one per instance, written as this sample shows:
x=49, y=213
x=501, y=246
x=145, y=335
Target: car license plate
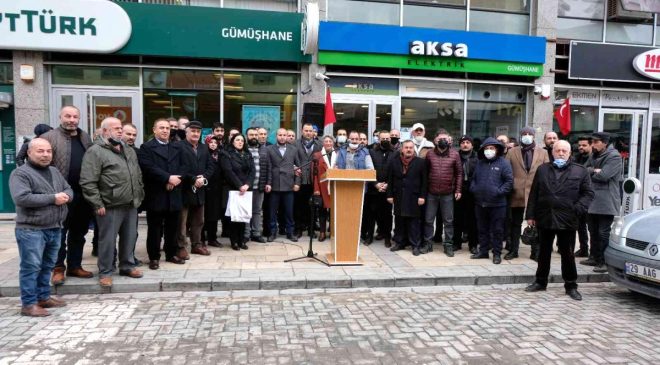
x=643, y=272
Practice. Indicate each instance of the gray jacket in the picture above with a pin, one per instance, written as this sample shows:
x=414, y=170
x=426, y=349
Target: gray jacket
x=60, y=141
x=306, y=158
x=281, y=176
x=34, y=198
x=606, y=183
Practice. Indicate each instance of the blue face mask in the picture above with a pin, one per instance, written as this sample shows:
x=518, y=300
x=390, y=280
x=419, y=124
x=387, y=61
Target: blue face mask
x=559, y=162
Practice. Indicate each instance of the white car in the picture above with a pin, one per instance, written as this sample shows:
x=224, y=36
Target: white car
x=632, y=258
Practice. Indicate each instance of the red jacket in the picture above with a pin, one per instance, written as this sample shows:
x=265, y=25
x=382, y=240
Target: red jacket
x=445, y=171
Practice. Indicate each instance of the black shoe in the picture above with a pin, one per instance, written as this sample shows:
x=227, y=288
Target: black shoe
x=510, y=256
x=243, y=246
x=397, y=247
x=479, y=256
x=449, y=251
x=497, y=259
x=589, y=262
x=574, y=294
x=583, y=252
x=215, y=243
x=272, y=237
x=387, y=243
x=601, y=268
x=429, y=247
x=292, y=238
x=535, y=287
x=416, y=251
x=367, y=241
x=259, y=239
x=473, y=250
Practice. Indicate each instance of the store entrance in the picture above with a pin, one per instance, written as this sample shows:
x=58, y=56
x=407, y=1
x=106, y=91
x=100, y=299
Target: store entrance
x=98, y=104
x=366, y=113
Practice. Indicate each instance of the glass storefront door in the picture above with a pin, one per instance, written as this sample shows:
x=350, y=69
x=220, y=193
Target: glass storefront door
x=96, y=105
x=650, y=196
x=366, y=114
x=627, y=130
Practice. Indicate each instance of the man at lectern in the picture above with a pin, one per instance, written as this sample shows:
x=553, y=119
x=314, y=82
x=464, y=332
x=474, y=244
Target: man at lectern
x=353, y=155
x=406, y=189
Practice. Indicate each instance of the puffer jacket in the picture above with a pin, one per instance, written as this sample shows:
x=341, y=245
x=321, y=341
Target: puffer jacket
x=492, y=180
x=445, y=171
x=60, y=141
x=110, y=178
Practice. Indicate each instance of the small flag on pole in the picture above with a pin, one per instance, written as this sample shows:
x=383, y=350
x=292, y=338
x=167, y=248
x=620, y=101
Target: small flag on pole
x=329, y=109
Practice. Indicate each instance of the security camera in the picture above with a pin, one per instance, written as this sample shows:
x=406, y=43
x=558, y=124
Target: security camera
x=320, y=76
x=538, y=89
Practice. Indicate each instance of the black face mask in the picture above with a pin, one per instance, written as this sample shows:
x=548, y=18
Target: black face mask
x=394, y=140
x=385, y=145
x=443, y=144
x=253, y=142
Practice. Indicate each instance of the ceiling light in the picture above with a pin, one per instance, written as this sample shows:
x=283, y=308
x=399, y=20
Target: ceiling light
x=161, y=101
x=364, y=106
x=151, y=94
x=431, y=101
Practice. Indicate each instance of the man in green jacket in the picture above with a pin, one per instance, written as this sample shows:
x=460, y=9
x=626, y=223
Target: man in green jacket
x=111, y=182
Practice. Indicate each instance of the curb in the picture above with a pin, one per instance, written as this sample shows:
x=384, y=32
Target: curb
x=127, y=285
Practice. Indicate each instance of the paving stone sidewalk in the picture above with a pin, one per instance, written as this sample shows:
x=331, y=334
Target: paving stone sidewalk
x=262, y=266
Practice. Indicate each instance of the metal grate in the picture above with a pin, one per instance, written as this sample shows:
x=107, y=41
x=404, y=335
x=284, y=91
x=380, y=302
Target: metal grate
x=636, y=244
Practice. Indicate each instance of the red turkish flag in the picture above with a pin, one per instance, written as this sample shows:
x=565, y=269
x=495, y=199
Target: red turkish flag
x=563, y=115
x=329, y=110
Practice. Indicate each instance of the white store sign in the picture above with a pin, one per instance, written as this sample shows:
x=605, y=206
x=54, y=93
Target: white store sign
x=95, y=26
x=625, y=99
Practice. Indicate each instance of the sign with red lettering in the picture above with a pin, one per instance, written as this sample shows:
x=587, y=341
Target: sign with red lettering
x=648, y=64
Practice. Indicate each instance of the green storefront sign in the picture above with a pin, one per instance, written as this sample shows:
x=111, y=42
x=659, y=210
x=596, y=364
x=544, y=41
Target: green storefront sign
x=205, y=32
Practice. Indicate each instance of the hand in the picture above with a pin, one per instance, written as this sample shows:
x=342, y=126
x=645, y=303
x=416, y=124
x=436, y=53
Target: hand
x=317, y=193
x=100, y=212
x=61, y=198
x=457, y=196
x=169, y=187
x=597, y=171
x=268, y=188
x=243, y=189
x=199, y=182
x=531, y=222
x=390, y=200
x=174, y=180
x=296, y=187
x=420, y=201
x=298, y=172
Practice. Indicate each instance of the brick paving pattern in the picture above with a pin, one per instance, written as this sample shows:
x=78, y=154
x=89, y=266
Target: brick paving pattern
x=426, y=325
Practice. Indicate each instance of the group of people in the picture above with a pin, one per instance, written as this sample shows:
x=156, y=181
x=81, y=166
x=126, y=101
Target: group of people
x=431, y=191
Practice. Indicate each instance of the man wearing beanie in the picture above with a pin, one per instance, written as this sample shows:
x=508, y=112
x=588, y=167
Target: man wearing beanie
x=524, y=159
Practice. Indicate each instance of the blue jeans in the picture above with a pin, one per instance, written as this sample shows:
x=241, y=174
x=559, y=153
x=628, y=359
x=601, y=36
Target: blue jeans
x=37, y=249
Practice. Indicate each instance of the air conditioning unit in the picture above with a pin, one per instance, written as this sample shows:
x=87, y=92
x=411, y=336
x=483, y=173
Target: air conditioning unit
x=616, y=11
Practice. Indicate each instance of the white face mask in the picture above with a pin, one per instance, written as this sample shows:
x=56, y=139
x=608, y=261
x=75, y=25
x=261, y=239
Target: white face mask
x=489, y=154
x=353, y=146
x=526, y=139
x=341, y=139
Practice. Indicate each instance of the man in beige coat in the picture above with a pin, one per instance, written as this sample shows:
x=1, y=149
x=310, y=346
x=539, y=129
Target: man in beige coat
x=524, y=159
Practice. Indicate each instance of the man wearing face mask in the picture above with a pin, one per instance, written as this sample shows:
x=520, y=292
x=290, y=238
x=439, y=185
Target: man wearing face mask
x=374, y=140
x=395, y=137
x=525, y=160
x=491, y=183
x=342, y=138
x=464, y=219
x=354, y=156
x=445, y=174
x=422, y=145
x=377, y=209
x=560, y=194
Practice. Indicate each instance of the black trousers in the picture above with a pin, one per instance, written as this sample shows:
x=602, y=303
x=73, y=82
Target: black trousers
x=408, y=229
x=265, y=207
x=583, y=233
x=490, y=221
x=465, y=221
x=75, y=227
x=210, y=230
x=159, y=223
x=236, y=231
x=377, y=211
x=301, y=207
x=566, y=244
x=600, y=226
x=515, y=227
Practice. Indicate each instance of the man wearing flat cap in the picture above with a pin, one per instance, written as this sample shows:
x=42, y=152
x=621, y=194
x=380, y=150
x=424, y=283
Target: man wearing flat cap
x=606, y=170
x=525, y=160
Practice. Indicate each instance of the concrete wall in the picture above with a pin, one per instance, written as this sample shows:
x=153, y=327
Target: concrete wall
x=544, y=22
x=30, y=98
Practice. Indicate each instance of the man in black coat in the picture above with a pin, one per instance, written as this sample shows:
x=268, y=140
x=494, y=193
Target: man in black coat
x=560, y=193
x=378, y=209
x=198, y=167
x=406, y=189
x=465, y=221
x=306, y=147
x=160, y=162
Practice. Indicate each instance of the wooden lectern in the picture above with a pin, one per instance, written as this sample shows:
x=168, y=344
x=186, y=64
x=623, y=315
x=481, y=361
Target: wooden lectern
x=347, y=194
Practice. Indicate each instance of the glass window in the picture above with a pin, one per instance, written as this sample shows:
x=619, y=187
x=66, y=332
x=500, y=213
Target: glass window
x=585, y=9
x=584, y=121
x=629, y=33
x=434, y=17
x=619, y=125
x=521, y=6
x=486, y=21
x=383, y=117
x=101, y=76
x=203, y=106
x=434, y=114
x=580, y=29
x=435, y=2
x=272, y=5
x=351, y=117
x=181, y=79
x=6, y=73
x=654, y=152
x=492, y=119
x=375, y=12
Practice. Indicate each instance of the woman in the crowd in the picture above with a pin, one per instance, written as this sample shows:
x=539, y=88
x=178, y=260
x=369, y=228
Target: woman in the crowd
x=326, y=159
x=238, y=171
x=212, y=211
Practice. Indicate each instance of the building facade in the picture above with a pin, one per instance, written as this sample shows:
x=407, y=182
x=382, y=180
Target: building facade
x=478, y=67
